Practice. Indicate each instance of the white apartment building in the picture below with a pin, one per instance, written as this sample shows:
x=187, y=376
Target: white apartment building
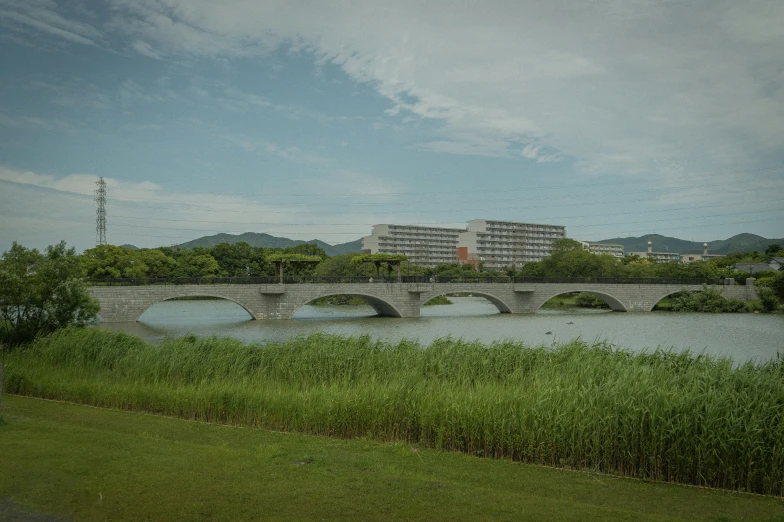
x=424, y=246
x=603, y=248
x=498, y=244
x=657, y=257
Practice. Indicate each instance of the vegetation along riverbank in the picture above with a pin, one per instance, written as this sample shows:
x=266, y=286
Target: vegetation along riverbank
x=106, y=460
x=660, y=416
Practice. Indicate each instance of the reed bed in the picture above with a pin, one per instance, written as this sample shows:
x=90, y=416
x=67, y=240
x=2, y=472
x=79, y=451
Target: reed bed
x=661, y=415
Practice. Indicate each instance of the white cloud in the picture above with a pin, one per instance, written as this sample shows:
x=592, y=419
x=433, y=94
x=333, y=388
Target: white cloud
x=619, y=86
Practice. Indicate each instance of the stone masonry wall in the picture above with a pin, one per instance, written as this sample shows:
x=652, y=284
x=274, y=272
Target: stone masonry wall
x=127, y=303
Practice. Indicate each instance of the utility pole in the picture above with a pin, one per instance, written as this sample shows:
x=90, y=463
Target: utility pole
x=100, y=212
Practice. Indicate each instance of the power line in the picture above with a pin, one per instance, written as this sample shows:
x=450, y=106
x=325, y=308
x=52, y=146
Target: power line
x=345, y=233
x=451, y=202
x=635, y=212
x=360, y=224
x=494, y=191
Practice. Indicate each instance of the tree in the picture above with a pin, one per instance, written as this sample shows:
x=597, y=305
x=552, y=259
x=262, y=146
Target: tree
x=562, y=246
x=195, y=263
x=157, y=263
x=777, y=285
x=773, y=249
x=109, y=261
x=306, y=249
x=40, y=293
x=240, y=259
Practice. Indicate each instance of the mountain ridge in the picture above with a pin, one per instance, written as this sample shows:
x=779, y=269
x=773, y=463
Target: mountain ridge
x=261, y=239
x=743, y=242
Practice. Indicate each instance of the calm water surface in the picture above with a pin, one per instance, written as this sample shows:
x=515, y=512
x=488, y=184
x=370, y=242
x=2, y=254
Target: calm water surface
x=741, y=336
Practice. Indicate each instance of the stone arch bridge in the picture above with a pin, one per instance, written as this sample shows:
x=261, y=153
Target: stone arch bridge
x=280, y=301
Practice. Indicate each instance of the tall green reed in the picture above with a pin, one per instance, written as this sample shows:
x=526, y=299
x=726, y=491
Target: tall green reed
x=660, y=415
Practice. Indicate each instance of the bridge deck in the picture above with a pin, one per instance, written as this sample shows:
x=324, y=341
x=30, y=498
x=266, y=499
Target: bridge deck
x=272, y=300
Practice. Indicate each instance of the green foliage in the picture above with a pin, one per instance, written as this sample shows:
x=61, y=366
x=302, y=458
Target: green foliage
x=378, y=258
x=389, y=260
x=337, y=300
x=464, y=271
x=439, y=300
x=240, y=260
x=564, y=245
x=777, y=284
x=40, y=293
x=341, y=266
x=774, y=250
x=659, y=416
x=109, y=261
x=767, y=298
x=281, y=257
x=307, y=249
x=708, y=300
x=195, y=263
x=586, y=300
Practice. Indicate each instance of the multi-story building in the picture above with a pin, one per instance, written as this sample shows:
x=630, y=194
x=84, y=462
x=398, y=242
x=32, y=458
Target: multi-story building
x=603, y=248
x=690, y=258
x=657, y=257
x=499, y=244
x=424, y=246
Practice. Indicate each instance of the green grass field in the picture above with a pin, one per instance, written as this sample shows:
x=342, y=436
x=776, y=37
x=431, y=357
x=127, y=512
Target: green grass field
x=100, y=464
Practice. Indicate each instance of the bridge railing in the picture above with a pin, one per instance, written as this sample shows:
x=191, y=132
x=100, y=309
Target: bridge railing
x=270, y=280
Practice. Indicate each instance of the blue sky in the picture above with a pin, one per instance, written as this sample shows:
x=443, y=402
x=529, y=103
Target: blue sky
x=308, y=120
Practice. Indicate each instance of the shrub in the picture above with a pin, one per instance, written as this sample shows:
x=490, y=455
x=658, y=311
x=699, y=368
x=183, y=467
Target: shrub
x=708, y=300
x=767, y=298
x=590, y=301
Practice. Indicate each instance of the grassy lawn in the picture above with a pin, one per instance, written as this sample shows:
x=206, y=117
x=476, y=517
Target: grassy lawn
x=93, y=464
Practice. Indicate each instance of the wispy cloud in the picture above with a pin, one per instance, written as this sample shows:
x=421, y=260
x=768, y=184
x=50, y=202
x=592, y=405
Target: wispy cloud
x=261, y=146
x=27, y=121
x=42, y=16
x=615, y=86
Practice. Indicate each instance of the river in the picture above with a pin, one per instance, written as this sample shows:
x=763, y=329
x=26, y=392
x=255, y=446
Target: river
x=740, y=336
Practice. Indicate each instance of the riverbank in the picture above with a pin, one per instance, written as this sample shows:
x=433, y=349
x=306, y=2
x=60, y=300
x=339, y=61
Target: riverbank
x=191, y=470
x=662, y=416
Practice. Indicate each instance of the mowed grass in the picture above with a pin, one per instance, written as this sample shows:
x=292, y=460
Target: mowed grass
x=660, y=416
x=100, y=464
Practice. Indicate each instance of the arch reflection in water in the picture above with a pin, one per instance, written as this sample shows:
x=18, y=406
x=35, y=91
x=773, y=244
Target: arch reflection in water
x=741, y=336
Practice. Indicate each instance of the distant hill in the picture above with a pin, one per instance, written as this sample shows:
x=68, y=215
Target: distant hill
x=131, y=247
x=268, y=241
x=739, y=243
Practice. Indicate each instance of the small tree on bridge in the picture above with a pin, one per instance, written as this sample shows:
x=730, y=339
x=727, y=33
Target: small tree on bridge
x=281, y=260
x=390, y=260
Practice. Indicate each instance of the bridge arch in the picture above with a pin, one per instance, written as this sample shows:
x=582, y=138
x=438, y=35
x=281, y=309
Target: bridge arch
x=614, y=303
x=381, y=306
x=499, y=303
x=152, y=303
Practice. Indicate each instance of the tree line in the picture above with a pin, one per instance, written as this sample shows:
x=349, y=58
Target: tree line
x=43, y=291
